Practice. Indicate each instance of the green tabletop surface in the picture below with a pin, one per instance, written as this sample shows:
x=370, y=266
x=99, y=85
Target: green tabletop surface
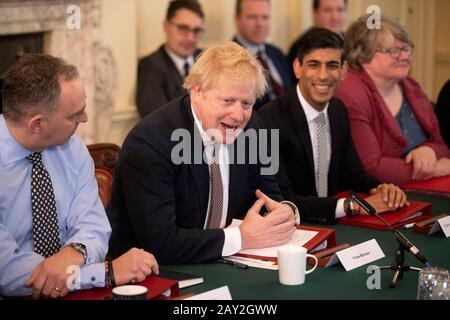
x=333, y=282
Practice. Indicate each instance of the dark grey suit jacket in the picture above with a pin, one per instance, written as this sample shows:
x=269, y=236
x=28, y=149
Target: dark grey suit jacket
x=159, y=81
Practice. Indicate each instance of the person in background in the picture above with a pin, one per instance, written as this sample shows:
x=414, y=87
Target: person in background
x=161, y=74
x=51, y=216
x=252, y=21
x=328, y=14
x=394, y=127
x=317, y=155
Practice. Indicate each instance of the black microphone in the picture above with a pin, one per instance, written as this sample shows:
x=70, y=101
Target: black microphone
x=404, y=242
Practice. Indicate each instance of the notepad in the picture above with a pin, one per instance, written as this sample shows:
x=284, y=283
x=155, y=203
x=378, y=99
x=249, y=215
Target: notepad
x=298, y=238
x=184, y=279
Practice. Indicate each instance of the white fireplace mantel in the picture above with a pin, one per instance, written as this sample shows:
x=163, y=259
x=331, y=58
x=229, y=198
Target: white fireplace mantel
x=81, y=47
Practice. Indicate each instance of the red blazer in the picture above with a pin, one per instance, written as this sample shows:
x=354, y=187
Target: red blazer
x=376, y=134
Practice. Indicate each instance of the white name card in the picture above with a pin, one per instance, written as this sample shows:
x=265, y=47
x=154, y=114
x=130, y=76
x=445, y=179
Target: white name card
x=359, y=255
x=222, y=293
x=445, y=225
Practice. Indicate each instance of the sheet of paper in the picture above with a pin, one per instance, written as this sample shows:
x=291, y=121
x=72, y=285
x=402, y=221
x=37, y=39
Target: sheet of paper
x=222, y=293
x=418, y=214
x=254, y=263
x=299, y=238
x=445, y=225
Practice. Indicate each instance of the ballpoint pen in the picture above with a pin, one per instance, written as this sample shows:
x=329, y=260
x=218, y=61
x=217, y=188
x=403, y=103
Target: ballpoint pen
x=234, y=264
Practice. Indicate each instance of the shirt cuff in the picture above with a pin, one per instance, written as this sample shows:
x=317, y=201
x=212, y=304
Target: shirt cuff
x=295, y=209
x=233, y=241
x=91, y=276
x=340, y=212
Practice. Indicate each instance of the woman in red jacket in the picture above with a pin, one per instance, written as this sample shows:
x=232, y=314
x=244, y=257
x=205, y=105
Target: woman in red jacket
x=393, y=124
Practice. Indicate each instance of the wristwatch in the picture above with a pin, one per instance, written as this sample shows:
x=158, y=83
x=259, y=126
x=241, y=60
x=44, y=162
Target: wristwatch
x=81, y=248
x=349, y=207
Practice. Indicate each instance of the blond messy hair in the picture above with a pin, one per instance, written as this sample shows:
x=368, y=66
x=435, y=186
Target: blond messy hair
x=229, y=59
x=361, y=43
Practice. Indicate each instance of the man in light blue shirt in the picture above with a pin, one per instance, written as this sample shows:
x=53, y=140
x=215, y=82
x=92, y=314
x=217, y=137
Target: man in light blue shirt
x=43, y=104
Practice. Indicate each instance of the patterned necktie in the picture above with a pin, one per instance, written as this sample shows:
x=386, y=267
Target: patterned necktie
x=322, y=156
x=45, y=219
x=186, y=67
x=216, y=194
x=277, y=89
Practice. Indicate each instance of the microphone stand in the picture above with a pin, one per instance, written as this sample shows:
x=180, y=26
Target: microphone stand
x=399, y=265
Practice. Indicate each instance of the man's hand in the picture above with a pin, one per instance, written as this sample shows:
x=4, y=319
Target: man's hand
x=49, y=279
x=387, y=197
x=134, y=266
x=423, y=160
x=274, y=229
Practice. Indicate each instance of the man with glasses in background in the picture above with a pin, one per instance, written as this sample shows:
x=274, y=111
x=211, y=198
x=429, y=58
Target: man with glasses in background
x=161, y=74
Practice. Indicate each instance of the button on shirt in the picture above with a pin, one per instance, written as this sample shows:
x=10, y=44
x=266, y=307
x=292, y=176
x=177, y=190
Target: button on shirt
x=233, y=241
x=81, y=216
x=311, y=114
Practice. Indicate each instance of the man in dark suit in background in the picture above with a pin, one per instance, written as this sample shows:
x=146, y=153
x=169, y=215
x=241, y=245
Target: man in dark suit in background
x=253, y=26
x=179, y=201
x=317, y=155
x=161, y=74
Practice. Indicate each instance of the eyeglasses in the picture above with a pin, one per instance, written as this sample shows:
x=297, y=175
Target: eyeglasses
x=185, y=29
x=395, y=51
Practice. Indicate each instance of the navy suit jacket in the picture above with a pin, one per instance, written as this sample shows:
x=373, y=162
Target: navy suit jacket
x=161, y=206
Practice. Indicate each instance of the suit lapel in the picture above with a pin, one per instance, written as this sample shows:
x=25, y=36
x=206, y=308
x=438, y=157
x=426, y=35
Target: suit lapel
x=301, y=126
x=199, y=171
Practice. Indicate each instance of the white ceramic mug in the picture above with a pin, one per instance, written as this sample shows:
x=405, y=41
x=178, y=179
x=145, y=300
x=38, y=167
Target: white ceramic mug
x=292, y=264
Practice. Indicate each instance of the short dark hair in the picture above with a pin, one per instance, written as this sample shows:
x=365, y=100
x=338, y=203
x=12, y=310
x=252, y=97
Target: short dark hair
x=31, y=85
x=316, y=4
x=238, y=8
x=319, y=38
x=192, y=5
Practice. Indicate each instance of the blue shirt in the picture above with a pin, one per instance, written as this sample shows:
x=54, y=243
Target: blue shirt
x=81, y=216
x=410, y=127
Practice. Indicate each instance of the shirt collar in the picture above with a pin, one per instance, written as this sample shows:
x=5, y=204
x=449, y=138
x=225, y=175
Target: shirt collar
x=10, y=150
x=205, y=137
x=254, y=49
x=179, y=61
x=310, y=112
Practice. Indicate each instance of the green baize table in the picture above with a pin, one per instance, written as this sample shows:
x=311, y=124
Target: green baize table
x=333, y=282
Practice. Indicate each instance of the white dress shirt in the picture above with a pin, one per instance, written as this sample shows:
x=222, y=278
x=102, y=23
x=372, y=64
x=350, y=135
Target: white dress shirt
x=233, y=240
x=179, y=61
x=311, y=114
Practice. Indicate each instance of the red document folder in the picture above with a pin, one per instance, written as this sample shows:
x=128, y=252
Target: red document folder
x=323, y=234
x=397, y=218
x=155, y=285
x=439, y=187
